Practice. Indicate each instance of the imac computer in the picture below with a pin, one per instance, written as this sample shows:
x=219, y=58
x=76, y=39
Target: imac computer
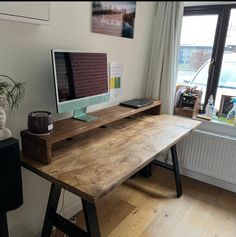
x=81, y=79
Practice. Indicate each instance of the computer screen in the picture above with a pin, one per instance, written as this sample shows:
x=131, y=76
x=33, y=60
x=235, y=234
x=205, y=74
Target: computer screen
x=81, y=79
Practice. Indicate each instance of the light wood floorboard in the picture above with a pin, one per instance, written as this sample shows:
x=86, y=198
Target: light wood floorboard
x=148, y=207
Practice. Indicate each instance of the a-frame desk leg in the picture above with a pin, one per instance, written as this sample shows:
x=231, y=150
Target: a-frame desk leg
x=54, y=219
x=90, y=215
x=176, y=171
x=147, y=172
x=3, y=225
x=53, y=200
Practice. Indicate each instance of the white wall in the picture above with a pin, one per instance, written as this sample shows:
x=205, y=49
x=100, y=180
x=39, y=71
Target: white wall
x=25, y=56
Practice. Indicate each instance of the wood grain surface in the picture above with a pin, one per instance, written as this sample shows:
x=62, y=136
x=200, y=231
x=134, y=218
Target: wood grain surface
x=40, y=147
x=72, y=127
x=96, y=162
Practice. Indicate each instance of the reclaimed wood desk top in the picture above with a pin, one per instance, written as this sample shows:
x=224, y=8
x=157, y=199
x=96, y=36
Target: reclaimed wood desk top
x=94, y=163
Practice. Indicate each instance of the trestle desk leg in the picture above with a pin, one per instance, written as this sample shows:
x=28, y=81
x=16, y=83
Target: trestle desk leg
x=146, y=171
x=53, y=200
x=90, y=215
x=176, y=171
x=3, y=225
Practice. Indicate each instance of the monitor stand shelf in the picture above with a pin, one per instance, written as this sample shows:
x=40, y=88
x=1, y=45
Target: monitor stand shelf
x=40, y=148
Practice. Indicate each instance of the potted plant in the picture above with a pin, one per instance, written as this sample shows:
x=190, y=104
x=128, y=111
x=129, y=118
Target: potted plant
x=11, y=94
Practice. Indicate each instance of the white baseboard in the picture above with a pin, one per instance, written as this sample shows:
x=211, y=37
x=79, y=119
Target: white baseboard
x=202, y=177
x=68, y=211
x=207, y=179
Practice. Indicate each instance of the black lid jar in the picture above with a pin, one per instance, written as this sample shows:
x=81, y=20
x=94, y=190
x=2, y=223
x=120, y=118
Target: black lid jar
x=40, y=122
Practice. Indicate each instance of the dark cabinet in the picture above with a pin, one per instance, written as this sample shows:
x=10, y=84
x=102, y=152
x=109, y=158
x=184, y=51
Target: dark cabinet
x=11, y=196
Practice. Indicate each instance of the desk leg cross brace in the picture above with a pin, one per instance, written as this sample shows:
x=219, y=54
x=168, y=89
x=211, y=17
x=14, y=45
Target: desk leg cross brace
x=54, y=219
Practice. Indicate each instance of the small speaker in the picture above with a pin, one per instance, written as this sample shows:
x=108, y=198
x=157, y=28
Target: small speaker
x=11, y=196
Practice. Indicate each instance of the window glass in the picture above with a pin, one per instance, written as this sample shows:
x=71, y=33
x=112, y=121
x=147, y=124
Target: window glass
x=196, y=44
x=200, y=78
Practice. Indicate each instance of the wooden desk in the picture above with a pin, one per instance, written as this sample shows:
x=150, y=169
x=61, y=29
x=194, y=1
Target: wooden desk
x=96, y=162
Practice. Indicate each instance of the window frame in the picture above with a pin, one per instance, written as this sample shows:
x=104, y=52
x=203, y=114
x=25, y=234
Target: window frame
x=223, y=12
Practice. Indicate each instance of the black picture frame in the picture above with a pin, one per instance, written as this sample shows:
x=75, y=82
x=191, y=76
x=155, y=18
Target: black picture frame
x=226, y=104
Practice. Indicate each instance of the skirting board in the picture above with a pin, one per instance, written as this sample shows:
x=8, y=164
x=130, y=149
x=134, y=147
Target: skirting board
x=68, y=211
x=207, y=179
x=201, y=177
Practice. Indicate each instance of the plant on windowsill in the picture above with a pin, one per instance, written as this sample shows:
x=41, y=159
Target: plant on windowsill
x=11, y=94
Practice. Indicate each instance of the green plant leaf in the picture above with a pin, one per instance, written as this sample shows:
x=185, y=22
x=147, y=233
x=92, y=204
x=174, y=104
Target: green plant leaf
x=13, y=91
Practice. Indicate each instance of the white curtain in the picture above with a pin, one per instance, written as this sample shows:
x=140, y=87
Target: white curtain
x=162, y=63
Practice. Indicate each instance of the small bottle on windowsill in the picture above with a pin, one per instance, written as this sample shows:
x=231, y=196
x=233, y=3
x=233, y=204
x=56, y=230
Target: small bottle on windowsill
x=209, y=107
x=201, y=110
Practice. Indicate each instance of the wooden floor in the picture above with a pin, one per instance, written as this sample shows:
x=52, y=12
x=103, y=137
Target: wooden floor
x=148, y=207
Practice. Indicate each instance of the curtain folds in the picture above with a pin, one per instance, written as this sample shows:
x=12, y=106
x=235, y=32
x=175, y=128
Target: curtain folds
x=162, y=62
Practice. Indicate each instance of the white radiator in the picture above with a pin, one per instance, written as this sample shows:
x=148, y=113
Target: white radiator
x=209, y=154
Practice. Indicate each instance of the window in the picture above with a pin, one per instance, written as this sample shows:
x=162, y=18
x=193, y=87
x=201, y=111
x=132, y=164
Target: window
x=196, y=45
x=227, y=79
x=207, y=55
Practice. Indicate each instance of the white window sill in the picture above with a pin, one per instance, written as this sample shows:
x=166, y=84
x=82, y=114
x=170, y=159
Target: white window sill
x=217, y=128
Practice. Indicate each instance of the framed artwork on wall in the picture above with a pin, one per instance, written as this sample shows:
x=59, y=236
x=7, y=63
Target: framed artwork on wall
x=226, y=104
x=114, y=18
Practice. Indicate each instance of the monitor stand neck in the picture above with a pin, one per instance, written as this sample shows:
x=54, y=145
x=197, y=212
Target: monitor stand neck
x=81, y=114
